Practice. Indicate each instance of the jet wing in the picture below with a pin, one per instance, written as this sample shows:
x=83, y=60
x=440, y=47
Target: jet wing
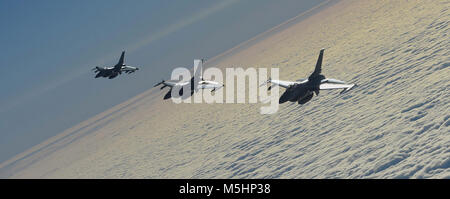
x=170, y=84
x=284, y=84
x=328, y=84
x=128, y=70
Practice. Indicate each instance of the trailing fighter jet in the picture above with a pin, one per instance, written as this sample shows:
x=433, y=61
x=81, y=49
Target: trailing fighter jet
x=112, y=72
x=302, y=90
x=202, y=84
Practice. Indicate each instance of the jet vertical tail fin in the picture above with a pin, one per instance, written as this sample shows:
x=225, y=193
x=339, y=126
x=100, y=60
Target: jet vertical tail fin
x=120, y=63
x=318, y=68
x=121, y=60
x=198, y=70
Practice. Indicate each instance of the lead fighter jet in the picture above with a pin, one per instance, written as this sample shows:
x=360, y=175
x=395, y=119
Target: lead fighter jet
x=112, y=72
x=302, y=90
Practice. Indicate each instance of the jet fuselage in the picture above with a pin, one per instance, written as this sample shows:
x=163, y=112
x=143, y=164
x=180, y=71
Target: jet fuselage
x=302, y=92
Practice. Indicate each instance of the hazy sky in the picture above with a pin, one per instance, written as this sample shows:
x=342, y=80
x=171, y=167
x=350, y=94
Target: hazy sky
x=48, y=47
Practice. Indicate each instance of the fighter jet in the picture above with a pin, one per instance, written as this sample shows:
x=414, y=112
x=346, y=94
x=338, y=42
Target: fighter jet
x=112, y=72
x=202, y=84
x=302, y=90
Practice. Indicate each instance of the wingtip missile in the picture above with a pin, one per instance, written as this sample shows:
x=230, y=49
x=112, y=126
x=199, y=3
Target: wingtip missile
x=159, y=83
x=347, y=89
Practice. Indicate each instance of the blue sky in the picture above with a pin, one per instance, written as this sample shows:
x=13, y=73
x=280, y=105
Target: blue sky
x=48, y=48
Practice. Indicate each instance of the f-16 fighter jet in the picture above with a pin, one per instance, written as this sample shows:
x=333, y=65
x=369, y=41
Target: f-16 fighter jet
x=112, y=72
x=302, y=90
x=201, y=84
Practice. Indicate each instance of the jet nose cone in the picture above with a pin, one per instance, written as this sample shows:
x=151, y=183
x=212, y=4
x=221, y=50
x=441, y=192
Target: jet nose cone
x=137, y=68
